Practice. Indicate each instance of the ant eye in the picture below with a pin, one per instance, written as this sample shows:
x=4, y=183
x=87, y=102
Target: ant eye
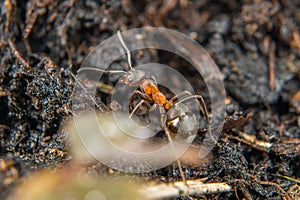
x=130, y=78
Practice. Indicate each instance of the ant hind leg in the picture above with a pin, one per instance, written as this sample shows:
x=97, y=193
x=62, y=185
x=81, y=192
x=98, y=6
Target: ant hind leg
x=162, y=119
x=201, y=103
x=180, y=94
x=203, y=109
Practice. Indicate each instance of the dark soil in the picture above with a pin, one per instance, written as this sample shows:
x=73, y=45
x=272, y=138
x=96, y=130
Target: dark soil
x=255, y=43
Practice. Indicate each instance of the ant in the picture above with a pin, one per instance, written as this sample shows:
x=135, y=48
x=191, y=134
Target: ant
x=176, y=117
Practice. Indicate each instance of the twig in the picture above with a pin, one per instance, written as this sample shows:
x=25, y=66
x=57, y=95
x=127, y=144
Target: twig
x=10, y=6
x=3, y=93
x=271, y=65
x=3, y=126
x=34, y=10
x=181, y=188
x=164, y=10
x=17, y=54
x=252, y=141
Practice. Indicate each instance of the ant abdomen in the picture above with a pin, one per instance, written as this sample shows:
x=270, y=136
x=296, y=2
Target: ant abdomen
x=181, y=122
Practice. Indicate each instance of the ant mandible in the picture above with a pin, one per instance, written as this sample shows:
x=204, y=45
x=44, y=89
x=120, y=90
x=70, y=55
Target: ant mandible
x=175, y=116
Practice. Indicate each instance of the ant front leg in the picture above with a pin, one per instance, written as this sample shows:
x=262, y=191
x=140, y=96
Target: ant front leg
x=144, y=99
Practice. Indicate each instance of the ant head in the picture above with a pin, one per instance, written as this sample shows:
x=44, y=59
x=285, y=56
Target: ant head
x=134, y=77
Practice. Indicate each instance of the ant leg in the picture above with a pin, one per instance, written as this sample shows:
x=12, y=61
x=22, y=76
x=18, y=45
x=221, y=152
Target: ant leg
x=201, y=104
x=180, y=94
x=162, y=117
x=86, y=91
x=203, y=109
x=144, y=100
x=138, y=105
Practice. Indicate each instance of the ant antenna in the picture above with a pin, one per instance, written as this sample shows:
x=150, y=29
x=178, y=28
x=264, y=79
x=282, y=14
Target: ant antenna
x=126, y=48
x=86, y=91
x=101, y=70
x=112, y=71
